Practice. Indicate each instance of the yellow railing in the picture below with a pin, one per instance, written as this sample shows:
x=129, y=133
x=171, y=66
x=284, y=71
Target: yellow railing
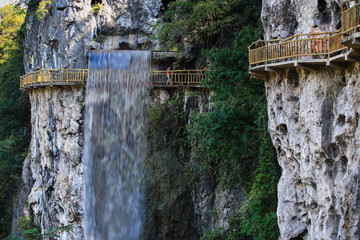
x=56, y=77
x=315, y=44
x=295, y=47
x=76, y=76
x=177, y=77
x=350, y=19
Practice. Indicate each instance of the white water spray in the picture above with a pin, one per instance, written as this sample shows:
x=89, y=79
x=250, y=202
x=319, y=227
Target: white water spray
x=114, y=144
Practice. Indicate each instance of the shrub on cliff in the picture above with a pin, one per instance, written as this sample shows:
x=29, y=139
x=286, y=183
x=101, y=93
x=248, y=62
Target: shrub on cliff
x=208, y=23
x=233, y=140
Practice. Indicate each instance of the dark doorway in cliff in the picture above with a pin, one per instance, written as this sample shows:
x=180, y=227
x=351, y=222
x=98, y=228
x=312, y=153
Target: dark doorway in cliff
x=124, y=46
x=324, y=14
x=93, y=2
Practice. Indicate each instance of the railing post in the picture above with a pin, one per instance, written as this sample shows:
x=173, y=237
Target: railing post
x=296, y=47
x=266, y=52
x=328, y=46
x=357, y=16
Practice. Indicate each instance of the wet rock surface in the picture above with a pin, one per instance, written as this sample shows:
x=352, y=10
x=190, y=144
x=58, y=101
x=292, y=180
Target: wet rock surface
x=181, y=202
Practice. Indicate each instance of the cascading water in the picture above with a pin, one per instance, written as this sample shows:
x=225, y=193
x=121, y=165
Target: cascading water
x=114, y=143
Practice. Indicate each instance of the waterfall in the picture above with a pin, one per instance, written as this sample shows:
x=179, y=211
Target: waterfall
x=114, y=143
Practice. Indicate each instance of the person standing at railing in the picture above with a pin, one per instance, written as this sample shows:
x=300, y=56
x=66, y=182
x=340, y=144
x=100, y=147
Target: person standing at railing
x=168, y=72
x=319, y=43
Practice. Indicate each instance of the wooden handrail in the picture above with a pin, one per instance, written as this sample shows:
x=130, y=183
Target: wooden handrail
x=325, y=44
x=78, y=76
x=178, y=77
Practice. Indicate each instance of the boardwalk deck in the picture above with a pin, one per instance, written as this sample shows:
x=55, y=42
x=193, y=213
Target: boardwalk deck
x=310, y=51
x=78, y=77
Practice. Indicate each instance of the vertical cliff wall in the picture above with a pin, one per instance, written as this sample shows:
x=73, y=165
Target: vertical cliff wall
x=180, y=204
x=53, y=170
x=314, y=125
x=63, y=37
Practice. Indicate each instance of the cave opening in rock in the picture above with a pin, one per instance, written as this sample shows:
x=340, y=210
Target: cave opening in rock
x=324, y=15
x=321, y=5
x=124, y=46
x=301, y=236
x=93, y=2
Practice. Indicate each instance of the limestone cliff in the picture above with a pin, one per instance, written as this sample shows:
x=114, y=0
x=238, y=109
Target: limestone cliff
x=314, y=125
x=63, y=37
x=53, y=171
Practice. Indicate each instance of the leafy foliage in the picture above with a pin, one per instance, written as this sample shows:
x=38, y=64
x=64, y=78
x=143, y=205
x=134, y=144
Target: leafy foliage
x=205, y=22
x=43, y=9
x=96, y=8
x=14, y=111
x=227, y=135
x=233, y=140
x=29, y=231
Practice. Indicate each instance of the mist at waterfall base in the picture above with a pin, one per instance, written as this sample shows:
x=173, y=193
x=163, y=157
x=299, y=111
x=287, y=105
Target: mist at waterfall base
x=114, y=143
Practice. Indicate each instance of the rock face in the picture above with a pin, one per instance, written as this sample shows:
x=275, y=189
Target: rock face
x=54, y=169
x=181, y=203
x=283, y=18
x=70, y=29
x=314, y=125
x=62, y=39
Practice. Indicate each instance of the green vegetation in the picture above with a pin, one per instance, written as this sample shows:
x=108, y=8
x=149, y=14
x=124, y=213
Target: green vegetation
x=231, y=141
x=43, y=9
x=14, y=111
x=209, y=23
x=96, y=8
x=29, y=231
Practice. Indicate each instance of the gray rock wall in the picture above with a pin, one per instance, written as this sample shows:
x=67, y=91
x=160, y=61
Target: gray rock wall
x=314, y=125
x=53, y=170
x=64, y=36
x=181, y=202
x=283, y=18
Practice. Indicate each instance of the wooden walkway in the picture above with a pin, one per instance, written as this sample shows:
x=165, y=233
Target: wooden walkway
x=310, y=51
x=71, y=77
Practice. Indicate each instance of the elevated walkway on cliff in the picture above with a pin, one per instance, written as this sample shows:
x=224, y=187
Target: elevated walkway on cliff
x=73, y=77
x=310, y=51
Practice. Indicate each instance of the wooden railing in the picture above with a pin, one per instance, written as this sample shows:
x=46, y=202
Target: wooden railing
x=79, y=76
x=178, y=78
x=350, y=19
x=295, y=47
x=299, y=46
x=55, y=77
